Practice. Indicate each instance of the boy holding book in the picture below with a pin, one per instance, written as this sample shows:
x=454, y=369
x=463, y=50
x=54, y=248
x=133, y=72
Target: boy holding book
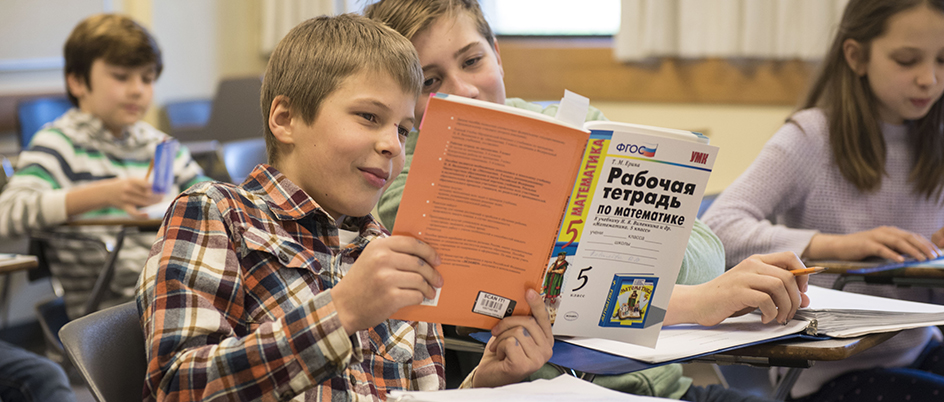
x=460, y=55
x=282, y=287
x=93, y=160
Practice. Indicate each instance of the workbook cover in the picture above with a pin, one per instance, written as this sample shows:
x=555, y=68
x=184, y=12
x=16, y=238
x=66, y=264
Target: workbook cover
x=596, y=219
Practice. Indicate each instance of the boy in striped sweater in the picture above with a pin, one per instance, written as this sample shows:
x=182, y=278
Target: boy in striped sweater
x=93, y=160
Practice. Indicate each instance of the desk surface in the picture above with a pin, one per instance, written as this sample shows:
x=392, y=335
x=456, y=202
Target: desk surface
x=127, y=222
x=841, y=267
x=17, y=263
x=819, y=350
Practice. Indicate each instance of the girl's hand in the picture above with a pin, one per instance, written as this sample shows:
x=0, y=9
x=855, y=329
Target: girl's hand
x=760, y=281
x=885, y=241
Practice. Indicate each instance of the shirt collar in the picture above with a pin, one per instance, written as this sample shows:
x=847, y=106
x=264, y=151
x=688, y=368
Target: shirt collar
x=289, y=202
x=93, y=125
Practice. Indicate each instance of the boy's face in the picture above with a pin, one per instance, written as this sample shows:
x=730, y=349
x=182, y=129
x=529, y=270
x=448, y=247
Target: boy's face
x=457, y=60
x=354, y=147
x=118, y=95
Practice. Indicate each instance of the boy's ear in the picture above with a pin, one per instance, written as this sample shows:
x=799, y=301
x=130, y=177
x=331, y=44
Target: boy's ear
x=280, y=120
x=77, y=85
x=854, y=54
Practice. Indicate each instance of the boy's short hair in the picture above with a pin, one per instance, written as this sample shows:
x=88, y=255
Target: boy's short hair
x=411, y=16
x=114, y=38
x=312, y=60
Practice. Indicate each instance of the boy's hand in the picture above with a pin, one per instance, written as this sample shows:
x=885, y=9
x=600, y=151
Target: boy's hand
x=519, y=346
x=391, y=273
x=886, y=242
x=760, y=281
x=130, y=194
x=127, y=194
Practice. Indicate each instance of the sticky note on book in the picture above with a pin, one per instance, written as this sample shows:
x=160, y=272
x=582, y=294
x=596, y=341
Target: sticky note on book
x=164, y=156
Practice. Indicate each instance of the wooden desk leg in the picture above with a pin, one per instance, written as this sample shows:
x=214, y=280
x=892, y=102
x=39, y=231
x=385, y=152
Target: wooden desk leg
x=786, y=384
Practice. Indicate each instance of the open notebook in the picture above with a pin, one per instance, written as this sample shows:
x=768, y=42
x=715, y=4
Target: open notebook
x=832, y=313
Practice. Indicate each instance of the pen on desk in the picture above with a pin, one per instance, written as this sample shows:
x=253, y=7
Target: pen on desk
x=807, y=271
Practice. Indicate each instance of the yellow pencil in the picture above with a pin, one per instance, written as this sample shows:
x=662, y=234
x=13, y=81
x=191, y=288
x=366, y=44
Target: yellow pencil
x=807, y=271
x=150, y=168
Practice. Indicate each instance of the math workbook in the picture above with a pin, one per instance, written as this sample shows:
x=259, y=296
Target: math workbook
x=595, y=218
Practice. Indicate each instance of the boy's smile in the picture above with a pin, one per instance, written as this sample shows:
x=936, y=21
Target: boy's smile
x=117, y=95
x=354, y=147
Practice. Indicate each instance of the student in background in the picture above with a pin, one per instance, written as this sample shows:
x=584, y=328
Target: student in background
x=858, y=172
x=282, y=287
x=92, y=161
x=460, y=55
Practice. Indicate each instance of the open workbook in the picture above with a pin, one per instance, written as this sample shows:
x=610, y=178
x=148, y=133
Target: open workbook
x=596, y=218
x=832, y=313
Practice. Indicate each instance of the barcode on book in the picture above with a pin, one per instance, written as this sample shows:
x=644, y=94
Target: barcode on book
x=493, y=305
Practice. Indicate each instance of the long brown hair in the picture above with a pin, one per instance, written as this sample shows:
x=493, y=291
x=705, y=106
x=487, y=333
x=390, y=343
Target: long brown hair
x=855, y=135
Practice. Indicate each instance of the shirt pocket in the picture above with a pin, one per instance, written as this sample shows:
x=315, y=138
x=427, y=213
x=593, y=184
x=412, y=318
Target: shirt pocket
x=278, y=272
x=274, y=250
x=392, y=340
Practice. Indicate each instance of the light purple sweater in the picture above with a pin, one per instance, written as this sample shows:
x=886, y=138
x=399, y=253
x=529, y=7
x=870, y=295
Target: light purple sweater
x=795, y=182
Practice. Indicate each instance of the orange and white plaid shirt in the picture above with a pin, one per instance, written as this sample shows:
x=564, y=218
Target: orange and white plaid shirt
x=235, y=303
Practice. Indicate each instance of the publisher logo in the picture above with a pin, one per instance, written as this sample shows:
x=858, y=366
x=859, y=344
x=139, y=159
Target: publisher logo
x=571, y=315
x=647, y=150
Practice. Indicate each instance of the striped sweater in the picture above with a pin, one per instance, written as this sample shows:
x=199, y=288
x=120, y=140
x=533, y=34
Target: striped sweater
x=70, y=152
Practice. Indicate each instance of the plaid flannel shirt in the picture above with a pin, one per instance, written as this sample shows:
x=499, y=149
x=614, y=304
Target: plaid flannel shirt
x=235, y=304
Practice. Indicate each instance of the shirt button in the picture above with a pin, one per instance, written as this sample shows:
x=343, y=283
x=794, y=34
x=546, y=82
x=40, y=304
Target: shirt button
x=284, y=257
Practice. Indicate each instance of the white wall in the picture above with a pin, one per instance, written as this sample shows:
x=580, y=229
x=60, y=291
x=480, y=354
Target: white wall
x=33, y=33
x=739, y=131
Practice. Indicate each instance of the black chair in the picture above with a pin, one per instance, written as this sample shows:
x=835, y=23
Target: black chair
x=107, y=347
x=32, y=114
x=235, y=113
x=52, y=313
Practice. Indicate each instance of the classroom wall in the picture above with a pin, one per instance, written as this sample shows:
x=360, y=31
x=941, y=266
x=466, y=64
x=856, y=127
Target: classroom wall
x=740, y=131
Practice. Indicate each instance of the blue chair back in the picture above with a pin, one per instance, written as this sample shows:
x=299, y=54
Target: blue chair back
x=188, y=113
x=32, y=114
x=241, y=156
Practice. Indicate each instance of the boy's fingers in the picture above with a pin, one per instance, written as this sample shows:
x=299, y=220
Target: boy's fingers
x=413, y=246
x=412, y=273
x=539, y=312
x=417, y=256
x=786, y=260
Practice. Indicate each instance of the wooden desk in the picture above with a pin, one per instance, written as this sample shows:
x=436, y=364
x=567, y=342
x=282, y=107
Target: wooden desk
x=17, y=262
x=926, y=276
x=797, y=355
x=147, y=223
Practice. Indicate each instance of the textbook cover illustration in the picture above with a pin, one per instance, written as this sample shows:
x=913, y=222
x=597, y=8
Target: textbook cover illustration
x=594, y=218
